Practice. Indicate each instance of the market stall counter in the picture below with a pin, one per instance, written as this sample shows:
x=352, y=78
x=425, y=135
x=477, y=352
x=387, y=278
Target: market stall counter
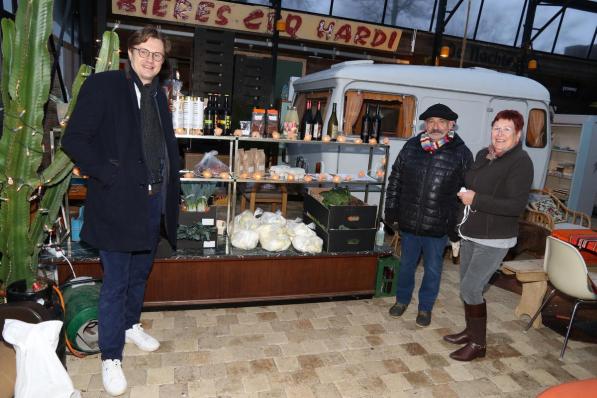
x=210, y=276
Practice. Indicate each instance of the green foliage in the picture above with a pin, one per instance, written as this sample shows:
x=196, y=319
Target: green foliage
x=337, y=196
x=196, y=232
x=30, y=199
x=195, y=195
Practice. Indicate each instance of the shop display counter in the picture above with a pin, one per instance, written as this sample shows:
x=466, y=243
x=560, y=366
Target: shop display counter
x=209, y=276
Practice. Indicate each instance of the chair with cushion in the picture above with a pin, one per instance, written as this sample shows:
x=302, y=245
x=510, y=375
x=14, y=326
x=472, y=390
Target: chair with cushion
x=548, y=211
x=567, y=272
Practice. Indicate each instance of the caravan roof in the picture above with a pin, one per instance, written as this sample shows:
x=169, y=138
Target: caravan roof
x=472, y=80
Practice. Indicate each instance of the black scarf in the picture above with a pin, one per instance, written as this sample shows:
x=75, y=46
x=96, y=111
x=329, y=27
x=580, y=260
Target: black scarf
x=151, y=131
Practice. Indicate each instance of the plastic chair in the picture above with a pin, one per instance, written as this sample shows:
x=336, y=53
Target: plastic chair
x=567, y=272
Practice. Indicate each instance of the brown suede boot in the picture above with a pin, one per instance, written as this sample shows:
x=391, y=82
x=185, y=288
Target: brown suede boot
x=477, y=327
x=464, y=336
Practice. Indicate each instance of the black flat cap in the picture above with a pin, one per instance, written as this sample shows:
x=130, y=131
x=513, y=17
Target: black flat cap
x=439, y=110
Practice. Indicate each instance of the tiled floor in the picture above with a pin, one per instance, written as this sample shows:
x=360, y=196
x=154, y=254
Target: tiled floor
x=340, y=349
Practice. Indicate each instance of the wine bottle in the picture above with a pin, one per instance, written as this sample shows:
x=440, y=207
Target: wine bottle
x=306, y=127
x=366, y=123
x=209, y=116
x=377, y=124
x=226, y=116
x=333, y=124
x=318, y=123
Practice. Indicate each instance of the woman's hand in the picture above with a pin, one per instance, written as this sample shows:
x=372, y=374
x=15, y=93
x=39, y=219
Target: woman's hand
x=466, y=197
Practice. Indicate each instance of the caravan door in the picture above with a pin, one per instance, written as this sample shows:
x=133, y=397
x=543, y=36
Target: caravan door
x=539, y=154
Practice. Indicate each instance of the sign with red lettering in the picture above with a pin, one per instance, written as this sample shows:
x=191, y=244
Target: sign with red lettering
x=260, y=19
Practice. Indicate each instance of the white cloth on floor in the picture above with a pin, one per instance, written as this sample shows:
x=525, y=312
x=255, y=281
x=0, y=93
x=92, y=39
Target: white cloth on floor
x=39, y=371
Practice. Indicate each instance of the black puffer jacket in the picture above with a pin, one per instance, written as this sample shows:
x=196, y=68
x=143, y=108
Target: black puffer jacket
x=422, y=188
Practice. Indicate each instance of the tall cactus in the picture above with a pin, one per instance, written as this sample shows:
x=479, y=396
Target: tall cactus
x=29, y=198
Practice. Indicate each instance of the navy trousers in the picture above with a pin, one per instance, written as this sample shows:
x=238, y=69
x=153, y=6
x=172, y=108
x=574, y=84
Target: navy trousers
x=123, y=288
x=433, y=249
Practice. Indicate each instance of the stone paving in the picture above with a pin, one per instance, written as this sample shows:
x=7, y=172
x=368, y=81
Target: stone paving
x=340, y=349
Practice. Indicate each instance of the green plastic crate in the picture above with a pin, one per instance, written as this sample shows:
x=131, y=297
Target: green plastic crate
x=387, y=276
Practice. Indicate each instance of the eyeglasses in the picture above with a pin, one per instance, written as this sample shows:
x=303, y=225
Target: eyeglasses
x=144, y=53
x=505, y=130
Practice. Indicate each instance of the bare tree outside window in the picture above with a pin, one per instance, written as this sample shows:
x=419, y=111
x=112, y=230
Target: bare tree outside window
x=364, y=10
x=315, y=6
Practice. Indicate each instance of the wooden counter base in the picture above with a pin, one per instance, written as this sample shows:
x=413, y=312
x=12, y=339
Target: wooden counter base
x=229, y=280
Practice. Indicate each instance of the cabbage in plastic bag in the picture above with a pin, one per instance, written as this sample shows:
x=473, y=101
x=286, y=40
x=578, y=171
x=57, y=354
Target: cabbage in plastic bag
x=273, y=238
x=272, y=218
x=307, y=244
x=244, y=239
x=245, y=220
x=298, y=228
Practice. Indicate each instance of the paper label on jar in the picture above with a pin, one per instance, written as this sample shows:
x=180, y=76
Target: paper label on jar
x=209, y=244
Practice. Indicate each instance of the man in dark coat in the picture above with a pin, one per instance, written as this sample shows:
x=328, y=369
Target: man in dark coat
x=421, y=198
x=120, y=135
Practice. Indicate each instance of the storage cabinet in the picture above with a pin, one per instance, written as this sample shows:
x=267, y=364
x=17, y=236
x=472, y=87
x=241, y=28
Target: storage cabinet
x=571, y=172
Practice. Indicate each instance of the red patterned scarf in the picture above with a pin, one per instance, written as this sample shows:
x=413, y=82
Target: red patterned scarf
x=431, y=146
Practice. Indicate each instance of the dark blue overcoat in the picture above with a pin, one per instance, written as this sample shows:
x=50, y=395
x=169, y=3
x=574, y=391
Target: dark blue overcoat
x=103, y=138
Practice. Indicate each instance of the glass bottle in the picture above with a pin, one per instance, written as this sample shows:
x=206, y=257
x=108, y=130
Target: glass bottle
x=226, y=116
x=209, y=116
x=333, y=123
x=377, y=124
x=366, y=123
x=318, y=123
x=307, y=122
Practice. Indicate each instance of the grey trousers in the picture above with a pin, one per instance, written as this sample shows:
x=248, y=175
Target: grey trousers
x=477, y=264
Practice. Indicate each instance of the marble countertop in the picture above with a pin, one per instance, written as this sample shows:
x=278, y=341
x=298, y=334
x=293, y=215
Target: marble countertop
x=81, y=252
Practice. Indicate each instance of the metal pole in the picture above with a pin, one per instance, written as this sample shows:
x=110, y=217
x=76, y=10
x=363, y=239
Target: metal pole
x=526, y=37
x=592, y=43
x=478, y=19
x=555, y=39
x=439, y=30
x=468, y=11
x=277, y=4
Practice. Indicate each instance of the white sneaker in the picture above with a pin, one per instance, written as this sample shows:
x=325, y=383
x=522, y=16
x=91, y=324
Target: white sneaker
x=142, y=340
x=113, y=377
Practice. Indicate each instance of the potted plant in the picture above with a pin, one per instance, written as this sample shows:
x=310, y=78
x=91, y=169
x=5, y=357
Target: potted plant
x=30, y=197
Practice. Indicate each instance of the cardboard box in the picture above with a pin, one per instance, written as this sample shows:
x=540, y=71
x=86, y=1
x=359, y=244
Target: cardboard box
x=347, y=240
x=357, y=215
x=207, y=218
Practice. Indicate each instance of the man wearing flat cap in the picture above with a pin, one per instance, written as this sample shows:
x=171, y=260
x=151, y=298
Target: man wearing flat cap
x=421, y=199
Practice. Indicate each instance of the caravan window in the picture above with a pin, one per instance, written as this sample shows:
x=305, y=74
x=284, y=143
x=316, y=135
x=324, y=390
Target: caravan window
x=322, y=96
x=537, y=129
x=397, y=112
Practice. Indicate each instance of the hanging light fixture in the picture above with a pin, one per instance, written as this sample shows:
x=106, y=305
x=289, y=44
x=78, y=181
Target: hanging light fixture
x=532, y=65
x=281, y=25
x=444, y=52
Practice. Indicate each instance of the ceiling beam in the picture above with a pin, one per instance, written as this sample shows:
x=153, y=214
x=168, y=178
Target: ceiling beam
x=583, y=5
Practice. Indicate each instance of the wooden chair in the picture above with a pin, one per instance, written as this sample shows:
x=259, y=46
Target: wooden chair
x=256, y=193
x=571, y=218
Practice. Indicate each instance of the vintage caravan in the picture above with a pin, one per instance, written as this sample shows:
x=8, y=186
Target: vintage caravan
x=403, y=92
